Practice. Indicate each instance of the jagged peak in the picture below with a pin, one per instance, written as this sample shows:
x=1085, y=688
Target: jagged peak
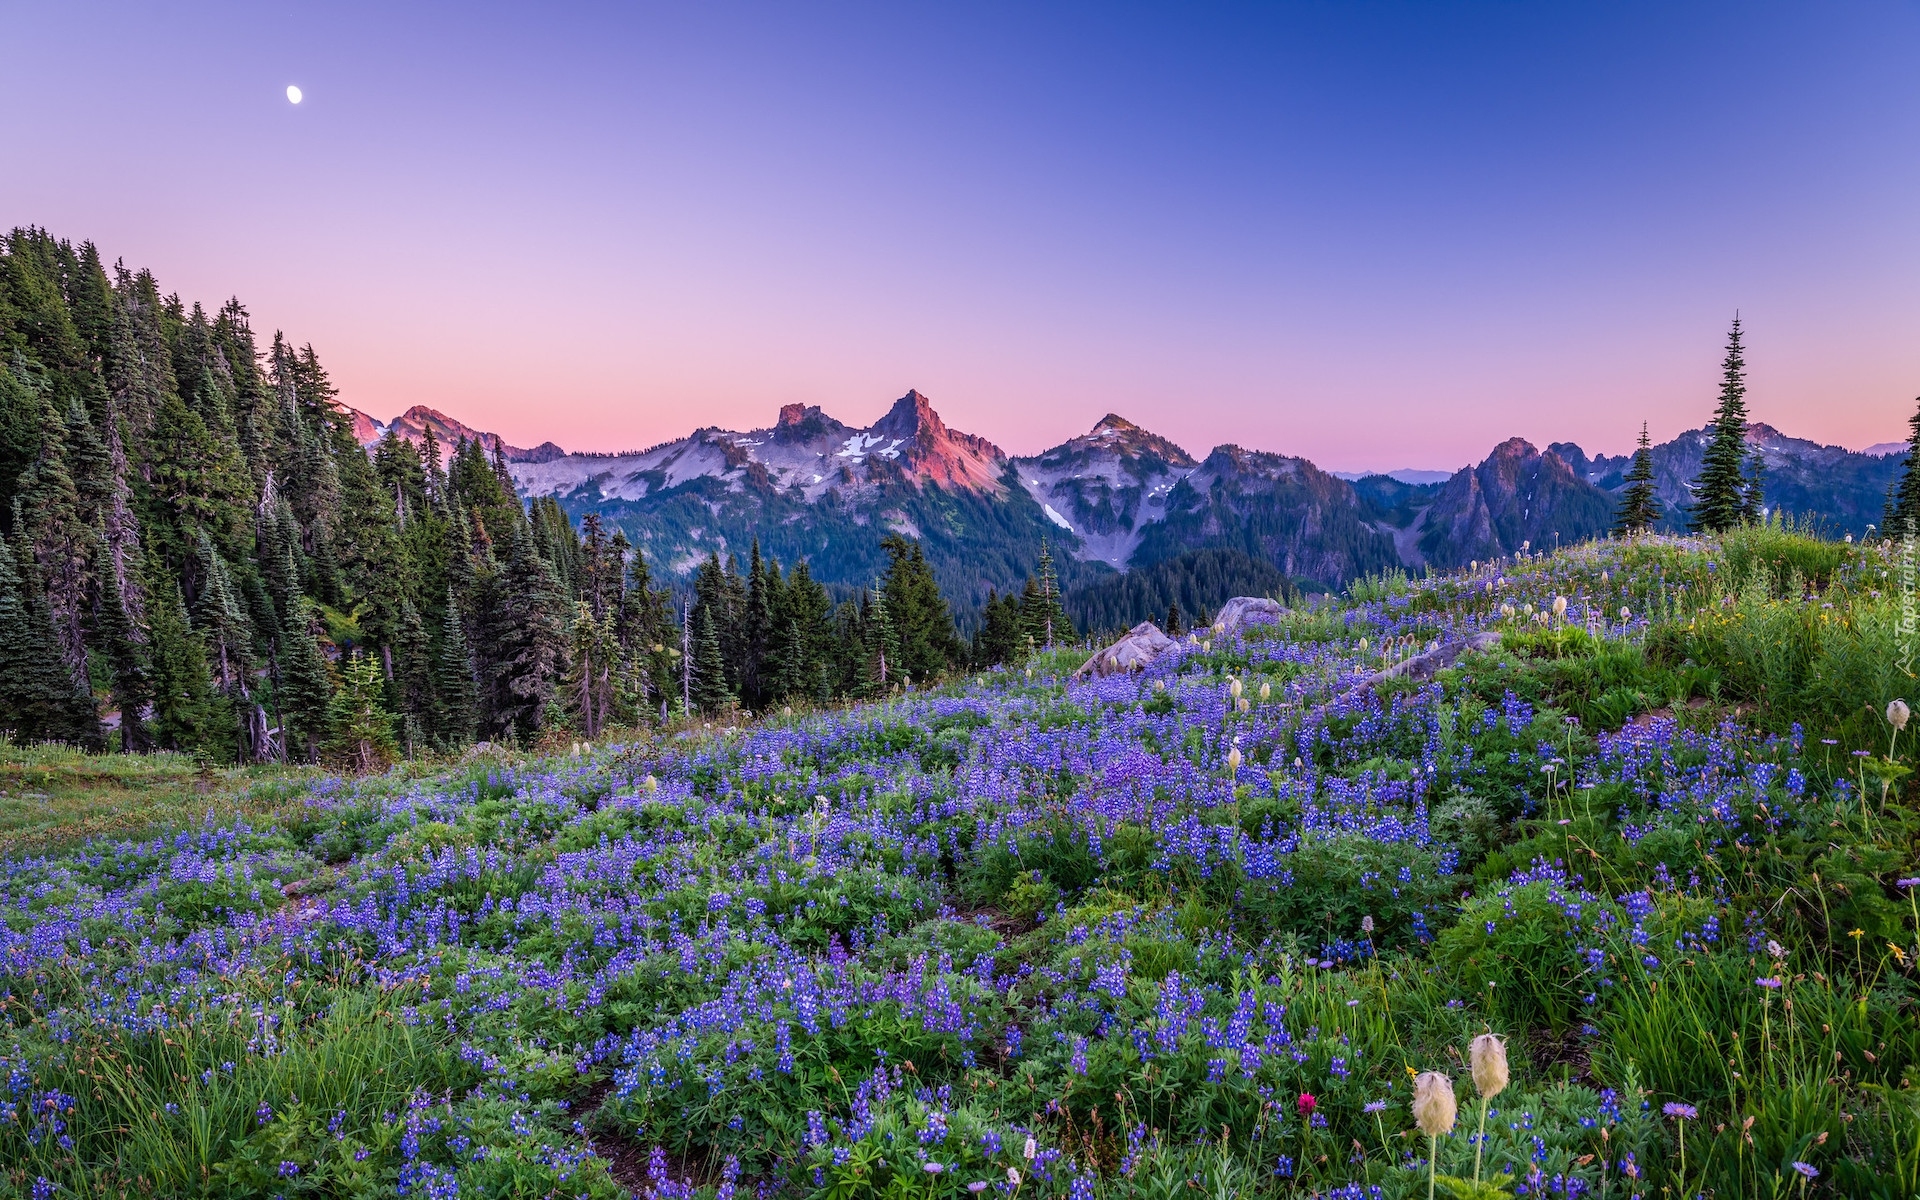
x=911, y=416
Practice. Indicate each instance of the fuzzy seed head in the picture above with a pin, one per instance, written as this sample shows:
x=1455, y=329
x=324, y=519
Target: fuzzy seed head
x=1559, y=606
x=1234, y=688
x=1488, y=1054
x=1266, y=690
x=1233, y=761
x=1434, y=1107
x=1898, y=714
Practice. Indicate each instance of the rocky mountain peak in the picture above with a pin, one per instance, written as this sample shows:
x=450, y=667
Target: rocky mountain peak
x=931, y=451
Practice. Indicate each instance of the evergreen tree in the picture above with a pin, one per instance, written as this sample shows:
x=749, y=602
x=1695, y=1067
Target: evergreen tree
x=1902, y=518
x=756, y=629
x=1041, y=612
x=1639, y=509
x=59, y=536
x=922, y=624
x=1721, y=494
x=457, y=693
x=530, y=640
x=1173, y=619
x=305, y=694
x=125, y=646
x=882, y=646
x=413, y=677
x=710, y=693
x=1001, y=637
x=592, y=680
x=360, y=727
x=227, y=636
x=189, y=713
x=38, y=700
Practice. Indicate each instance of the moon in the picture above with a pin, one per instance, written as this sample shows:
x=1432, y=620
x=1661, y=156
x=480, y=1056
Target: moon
x=293, y=94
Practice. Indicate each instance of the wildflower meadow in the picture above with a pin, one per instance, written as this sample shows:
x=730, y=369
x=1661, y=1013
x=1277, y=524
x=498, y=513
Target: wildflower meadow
x=1621, y=905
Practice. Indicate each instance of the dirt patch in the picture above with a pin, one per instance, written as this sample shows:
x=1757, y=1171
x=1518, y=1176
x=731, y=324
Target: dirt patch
x=1552, y=1052
x=626, y=1158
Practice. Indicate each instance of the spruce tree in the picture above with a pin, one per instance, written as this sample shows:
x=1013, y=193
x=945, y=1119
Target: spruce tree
x=1639, y=508
x=360, y=729
x=1902, y=518
x=591, y=677
x=413, y=675
x=710, y=694
x=1721, y=493
x=1173, y=618
x=883, y=646
x=530, y=639
x=38, y=699
x=124, y=645
x=1041, y=610
x=756, y=629
x=455, y=680
x=188, y=711
x=922, y=623
x=306, y=685
x=1001, y=637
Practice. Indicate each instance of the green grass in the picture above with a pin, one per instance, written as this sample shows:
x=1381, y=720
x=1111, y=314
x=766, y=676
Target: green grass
x=53, y=797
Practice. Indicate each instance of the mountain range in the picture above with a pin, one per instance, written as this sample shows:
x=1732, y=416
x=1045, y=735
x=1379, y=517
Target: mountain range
x=1134, y=520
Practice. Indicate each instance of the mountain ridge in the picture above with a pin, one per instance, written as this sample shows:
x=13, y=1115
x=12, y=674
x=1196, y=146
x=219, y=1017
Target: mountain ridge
x=1112, y=500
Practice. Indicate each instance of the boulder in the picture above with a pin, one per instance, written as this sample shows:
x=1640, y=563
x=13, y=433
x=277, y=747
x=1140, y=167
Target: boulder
x=1141, y=645
x=1246, y=610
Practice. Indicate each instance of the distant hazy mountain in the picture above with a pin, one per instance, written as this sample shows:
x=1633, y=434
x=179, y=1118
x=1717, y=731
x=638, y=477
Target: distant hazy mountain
x=1402, y=475
x=1844, y=490
x=1135, y=520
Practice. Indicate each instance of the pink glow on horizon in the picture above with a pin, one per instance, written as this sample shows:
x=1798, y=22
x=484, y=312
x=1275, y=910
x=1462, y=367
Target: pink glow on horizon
x=1376, y=244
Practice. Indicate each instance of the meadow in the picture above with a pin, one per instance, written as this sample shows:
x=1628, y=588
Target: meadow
x=1203, y=930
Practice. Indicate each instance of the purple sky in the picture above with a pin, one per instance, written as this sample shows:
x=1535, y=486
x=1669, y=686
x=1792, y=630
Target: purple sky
x=1379, y=235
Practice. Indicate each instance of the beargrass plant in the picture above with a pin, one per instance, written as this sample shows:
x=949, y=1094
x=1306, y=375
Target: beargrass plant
x=1196, y=929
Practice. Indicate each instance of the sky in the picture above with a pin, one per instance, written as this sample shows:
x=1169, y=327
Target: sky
x=1378, y=235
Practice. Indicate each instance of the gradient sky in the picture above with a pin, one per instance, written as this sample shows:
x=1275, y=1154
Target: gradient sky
x=1379, y=235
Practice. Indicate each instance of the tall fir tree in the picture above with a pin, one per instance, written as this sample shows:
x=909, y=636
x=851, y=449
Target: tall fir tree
x=360, y=729
x=922, y=623
x=1639, y=508
x=125, y=646
x=412, y=686
x=1041, y=610
x=592, y=677
x=710, y=691
x=305, y=693
x=189, y=712
x=530, y=637
x=38, y=700
x=455, y=680
x=1902, y=518
x=1721, y=493
x=1001, y=636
